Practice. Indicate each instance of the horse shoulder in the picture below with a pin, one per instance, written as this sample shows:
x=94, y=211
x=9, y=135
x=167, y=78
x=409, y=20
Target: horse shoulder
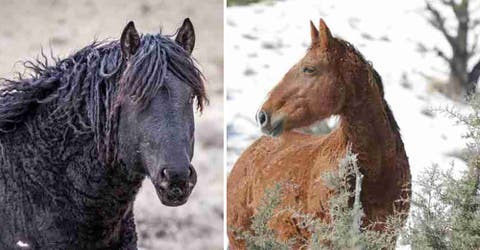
x=329, y=149
x=244, y=171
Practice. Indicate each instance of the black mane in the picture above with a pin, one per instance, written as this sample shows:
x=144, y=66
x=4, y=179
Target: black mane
x=87, y=88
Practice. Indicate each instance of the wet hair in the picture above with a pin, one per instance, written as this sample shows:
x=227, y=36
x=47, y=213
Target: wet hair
x=86, y=89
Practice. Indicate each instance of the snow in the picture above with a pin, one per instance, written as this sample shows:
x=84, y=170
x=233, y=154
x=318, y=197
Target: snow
x=262, y=41
x=22, y=244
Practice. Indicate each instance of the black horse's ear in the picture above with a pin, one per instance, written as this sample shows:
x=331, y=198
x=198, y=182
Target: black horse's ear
x=130, y=40
x=186, y=36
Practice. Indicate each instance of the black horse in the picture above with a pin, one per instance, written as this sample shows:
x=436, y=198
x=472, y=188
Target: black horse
x=78, y=137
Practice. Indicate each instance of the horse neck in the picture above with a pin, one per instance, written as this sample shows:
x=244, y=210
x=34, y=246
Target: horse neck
x=59, y=147
x=364, y=124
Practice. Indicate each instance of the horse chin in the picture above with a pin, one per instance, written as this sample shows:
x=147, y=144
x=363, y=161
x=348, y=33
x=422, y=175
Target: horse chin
x=171, y=202
x=168, y=199
x=174, y=203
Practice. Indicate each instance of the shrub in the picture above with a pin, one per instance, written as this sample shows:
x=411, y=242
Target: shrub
x=446, y=209
x=345, y=229
x=261, y=236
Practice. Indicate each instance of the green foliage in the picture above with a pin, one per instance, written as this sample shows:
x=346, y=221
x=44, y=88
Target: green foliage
x=446, y=210
x=262, y=236
x=345, y=230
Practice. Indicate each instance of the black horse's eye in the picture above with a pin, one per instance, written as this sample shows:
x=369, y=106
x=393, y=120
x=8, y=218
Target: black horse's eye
x=308, y=70
x=164, y=89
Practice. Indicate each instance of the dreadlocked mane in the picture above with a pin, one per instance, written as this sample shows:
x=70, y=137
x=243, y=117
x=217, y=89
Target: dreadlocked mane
x=85, y=91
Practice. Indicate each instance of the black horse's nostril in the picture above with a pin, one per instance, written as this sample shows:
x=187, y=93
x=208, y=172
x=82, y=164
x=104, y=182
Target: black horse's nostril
x=191, y=171
x=262, y=118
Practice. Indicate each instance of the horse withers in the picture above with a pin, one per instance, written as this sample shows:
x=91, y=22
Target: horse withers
x=79, y=136
x=332, y=78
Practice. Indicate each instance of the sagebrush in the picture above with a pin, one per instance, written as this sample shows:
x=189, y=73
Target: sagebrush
x=446, y=208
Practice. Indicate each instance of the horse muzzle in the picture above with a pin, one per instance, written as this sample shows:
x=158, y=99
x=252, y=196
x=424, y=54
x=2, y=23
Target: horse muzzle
x=174, y=186
x=270, y=125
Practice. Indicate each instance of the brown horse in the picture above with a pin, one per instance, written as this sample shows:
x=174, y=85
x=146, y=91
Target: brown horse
x=332, y=78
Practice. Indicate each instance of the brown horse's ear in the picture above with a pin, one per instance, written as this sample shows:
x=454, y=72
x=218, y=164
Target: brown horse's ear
x=314, y=33
x=186, y=36
x=326, y=37
x=130, y=40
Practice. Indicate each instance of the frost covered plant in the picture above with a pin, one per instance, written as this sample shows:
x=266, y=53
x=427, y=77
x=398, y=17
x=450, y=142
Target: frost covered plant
x=262, y=237
x=344, y=231
x=446, y=210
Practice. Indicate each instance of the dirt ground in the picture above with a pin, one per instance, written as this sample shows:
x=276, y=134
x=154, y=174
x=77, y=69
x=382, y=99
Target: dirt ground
x=65, y=26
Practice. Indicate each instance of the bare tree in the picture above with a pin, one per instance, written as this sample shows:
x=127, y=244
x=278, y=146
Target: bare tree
x=461, y=80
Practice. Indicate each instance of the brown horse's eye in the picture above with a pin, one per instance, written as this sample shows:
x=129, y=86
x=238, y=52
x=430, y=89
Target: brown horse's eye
x=308, y=70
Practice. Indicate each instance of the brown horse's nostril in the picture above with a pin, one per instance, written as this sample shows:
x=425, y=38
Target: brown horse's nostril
x=262, y=118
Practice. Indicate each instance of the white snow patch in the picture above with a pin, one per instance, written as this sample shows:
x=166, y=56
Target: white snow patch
x=22, y=244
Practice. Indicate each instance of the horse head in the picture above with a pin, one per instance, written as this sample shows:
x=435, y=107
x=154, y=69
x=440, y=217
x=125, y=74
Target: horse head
x=312, y=90
x=157, y=136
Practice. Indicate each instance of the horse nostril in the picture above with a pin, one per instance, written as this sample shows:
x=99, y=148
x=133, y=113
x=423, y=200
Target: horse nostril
x=191, y=171
x=262, y=118
x=164, y=173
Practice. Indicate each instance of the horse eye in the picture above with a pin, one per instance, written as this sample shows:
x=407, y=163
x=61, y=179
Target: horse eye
x=308, y=70
x=164, y=89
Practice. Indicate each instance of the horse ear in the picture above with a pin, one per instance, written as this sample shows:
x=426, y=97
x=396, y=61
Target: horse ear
x=186, y=36
x=314, y=33
x=130, y=40
x=326, y=37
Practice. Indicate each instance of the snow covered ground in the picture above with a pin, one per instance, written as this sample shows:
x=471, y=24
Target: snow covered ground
x=264, y=40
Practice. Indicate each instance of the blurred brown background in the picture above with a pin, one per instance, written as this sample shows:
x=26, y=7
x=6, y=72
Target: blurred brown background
x=66, y=26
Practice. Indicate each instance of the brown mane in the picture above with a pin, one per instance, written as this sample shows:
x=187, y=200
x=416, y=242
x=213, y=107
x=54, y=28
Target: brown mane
x=378, y=80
